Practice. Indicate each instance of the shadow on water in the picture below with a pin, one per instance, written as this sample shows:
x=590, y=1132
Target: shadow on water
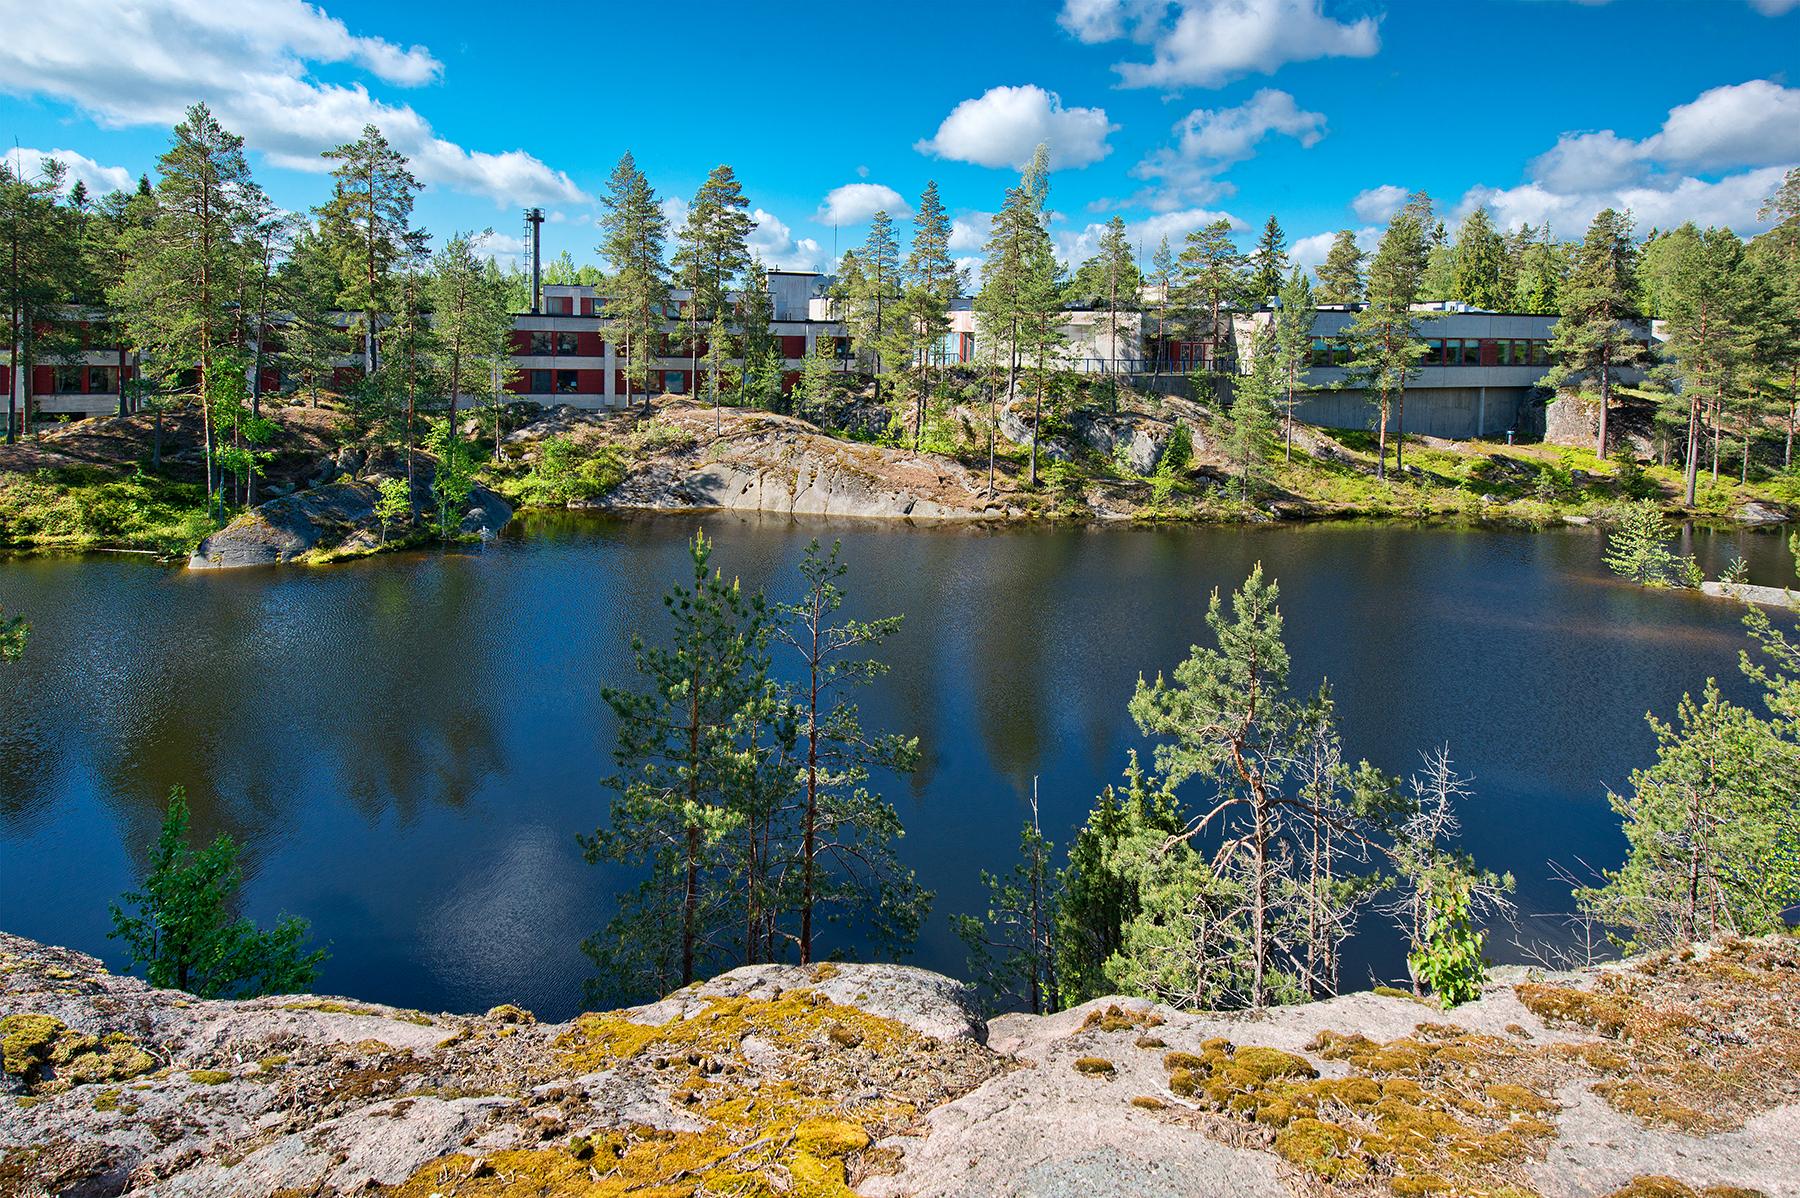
x=406, y=747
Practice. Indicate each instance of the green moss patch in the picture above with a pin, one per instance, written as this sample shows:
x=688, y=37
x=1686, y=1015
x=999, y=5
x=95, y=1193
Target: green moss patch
x=50, y=1057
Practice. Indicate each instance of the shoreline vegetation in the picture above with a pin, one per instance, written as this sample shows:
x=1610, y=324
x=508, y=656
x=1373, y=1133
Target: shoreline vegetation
x=91, y=486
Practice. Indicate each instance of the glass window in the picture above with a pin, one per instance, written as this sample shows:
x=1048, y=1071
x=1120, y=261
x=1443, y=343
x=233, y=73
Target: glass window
x=540, y=382
x=67, y=381
x=103, y=380
x=675, y=382
x=1321, y=352
x=567, y=343
x=543, y=344
x=1434, y=351
x=1540, y=353
x=1340, y=352
x=568, y=382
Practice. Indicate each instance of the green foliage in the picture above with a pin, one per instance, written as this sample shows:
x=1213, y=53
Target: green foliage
x=78, y=508
x=1629, y=475
x=392, y=504
x=1448, y=958
x=1637, y=549
x=567, y=471
x=453, y=478
x=1251, y=433
x=179, y=928
x=1713, y=828
x=14, y=632
x=1011, y=952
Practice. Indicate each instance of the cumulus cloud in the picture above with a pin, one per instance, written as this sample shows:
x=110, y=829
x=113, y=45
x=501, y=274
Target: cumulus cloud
x=1209, y=140
x=774, y=242
x=1752, y=128
x=99, y=178
x=1143, y=235
x=1774, y=8
x=854, y=203
x=1377, y=204
x=503, y=248
x=1206, y=43
x=252, y=61
x=970, y=231
x=1309, y=252
x=1004, y=126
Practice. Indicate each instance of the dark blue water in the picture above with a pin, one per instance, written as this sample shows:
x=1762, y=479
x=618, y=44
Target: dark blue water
x=406, y=747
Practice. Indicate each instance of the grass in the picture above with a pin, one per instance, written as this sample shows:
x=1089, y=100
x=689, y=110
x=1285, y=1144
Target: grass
x=84, y=508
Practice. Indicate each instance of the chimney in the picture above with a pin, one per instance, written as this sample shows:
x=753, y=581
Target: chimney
x=535, y=218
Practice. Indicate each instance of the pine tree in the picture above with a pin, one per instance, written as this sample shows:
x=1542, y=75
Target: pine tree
x=40, y=260
x=1268, y=263
x=683, y=757
x=367, y=222
x=845, y=857
x=1163, y=278
x=930, y=288
x=1478, y=264
x=633, y=229
x=180, y=292
x=1704, y=332
x=872, y=304
x=1293, y=343
x=813, y=399
x=1341, y=276
x=1209, y=281
x=711, y=252
x=761, y=385
x=1637, y=549
x=1384, y=337
x=179, y=927
x=470, y=324
x=1012, y=951
x=1592, y=341
x=1778, y=250
x=1021, y=294
x=1712, y=829
x=116, y=225
x=1110, y=280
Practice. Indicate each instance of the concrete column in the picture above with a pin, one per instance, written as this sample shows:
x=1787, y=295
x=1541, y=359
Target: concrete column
x=1481, y=411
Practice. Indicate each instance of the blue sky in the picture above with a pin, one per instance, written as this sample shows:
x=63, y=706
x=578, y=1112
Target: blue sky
x=1322, y=112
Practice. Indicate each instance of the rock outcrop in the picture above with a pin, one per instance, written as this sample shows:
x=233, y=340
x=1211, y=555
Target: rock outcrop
x=1670, y=1073
x=334, y=517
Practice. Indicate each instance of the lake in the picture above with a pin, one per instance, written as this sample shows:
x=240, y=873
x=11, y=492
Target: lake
x=406, y=747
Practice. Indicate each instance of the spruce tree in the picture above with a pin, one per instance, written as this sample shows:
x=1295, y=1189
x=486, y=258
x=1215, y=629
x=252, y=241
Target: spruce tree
x=1268, y=263
x=1778, y=250
x=1478, y=264
x=367, y=222
x=1251, y=433
x=1592, y=341
x=1341, y=275
x=633, y=229
x=1021, y=293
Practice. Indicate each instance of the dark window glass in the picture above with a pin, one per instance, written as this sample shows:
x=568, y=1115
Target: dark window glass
x=540, y=382
x=568, y=382
x=1540, y=353
x=1340, y=352
x=543, y=343
x=103, y=380
x=1434, y=351
x=68, y=380
x=1321, y=352
x=567, y=343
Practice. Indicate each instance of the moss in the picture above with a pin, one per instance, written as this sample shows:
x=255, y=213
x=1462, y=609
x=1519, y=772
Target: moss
x=331, y=1006
x=1656, y=1185
x=208, y=1077
x=272, y=1063
x=1150, y=1042
x=1149, y=1103
x=830, y=1137
x=507, y=1013
x=1095, y=1066
x=1565, y=1006
x=49, y=1056
x=1115, y=1018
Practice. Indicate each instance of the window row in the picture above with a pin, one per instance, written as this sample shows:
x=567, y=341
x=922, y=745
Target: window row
x=1448, y=351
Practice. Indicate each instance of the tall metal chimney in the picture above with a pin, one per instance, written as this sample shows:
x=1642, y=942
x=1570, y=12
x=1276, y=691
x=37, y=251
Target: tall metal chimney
x=535, y=218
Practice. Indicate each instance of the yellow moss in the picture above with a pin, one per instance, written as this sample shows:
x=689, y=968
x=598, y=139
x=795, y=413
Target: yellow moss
x=507, y=1013
x=49, y=1056
x=830, y=1137
x=824, y=971
x=1151, y=1042
x=1094, y=1066
x=1565, y=1005
x=1149, y=1103
x=331, y=1006
x=272, y=1063
x=208, y=1077
x=1655, y=1185
x=1115, y=1018
x=1322, y=1149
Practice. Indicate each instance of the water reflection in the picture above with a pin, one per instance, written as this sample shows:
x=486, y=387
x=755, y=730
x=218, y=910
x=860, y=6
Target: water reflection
x=406, y=747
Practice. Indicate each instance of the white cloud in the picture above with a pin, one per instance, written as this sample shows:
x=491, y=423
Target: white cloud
x=99, y=178
x=1004, y=126
x=1774, y=8
x=143, y=64
x=1377, y=204
x=774, y=242
x=1205, y=43
x=970, y=267
x=971, y=231
x=1309, y=252
x=854, y=203
x=1730, y=202
x=503, y=248
x=1143, y=235
x=1208, y=140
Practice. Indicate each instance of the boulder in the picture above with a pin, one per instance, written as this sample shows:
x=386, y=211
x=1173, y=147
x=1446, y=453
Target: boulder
x=336, y=516
x=1139, y=441
x=1758, y=514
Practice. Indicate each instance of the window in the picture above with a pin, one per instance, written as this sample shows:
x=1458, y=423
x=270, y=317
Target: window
x=67, y=381
x=543, y=344
x=1540, y=353
x=103, y=380
x=567, y=343
x=1434, y=351
x=568, y=382
x=675, y=382
x=1340, y=352
x=1321, y=352
x=540, y=382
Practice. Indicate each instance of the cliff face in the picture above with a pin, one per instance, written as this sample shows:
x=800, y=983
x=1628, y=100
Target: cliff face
x=1671, y=1075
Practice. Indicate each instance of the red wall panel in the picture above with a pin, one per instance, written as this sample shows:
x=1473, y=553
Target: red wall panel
x=793, y=347
x=592, y=382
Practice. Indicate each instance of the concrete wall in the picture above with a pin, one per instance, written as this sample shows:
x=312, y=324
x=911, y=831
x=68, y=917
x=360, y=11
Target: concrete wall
x=1451, y=412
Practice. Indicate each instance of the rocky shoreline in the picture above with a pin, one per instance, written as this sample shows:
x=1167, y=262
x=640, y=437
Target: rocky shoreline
x=1676, y=1075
